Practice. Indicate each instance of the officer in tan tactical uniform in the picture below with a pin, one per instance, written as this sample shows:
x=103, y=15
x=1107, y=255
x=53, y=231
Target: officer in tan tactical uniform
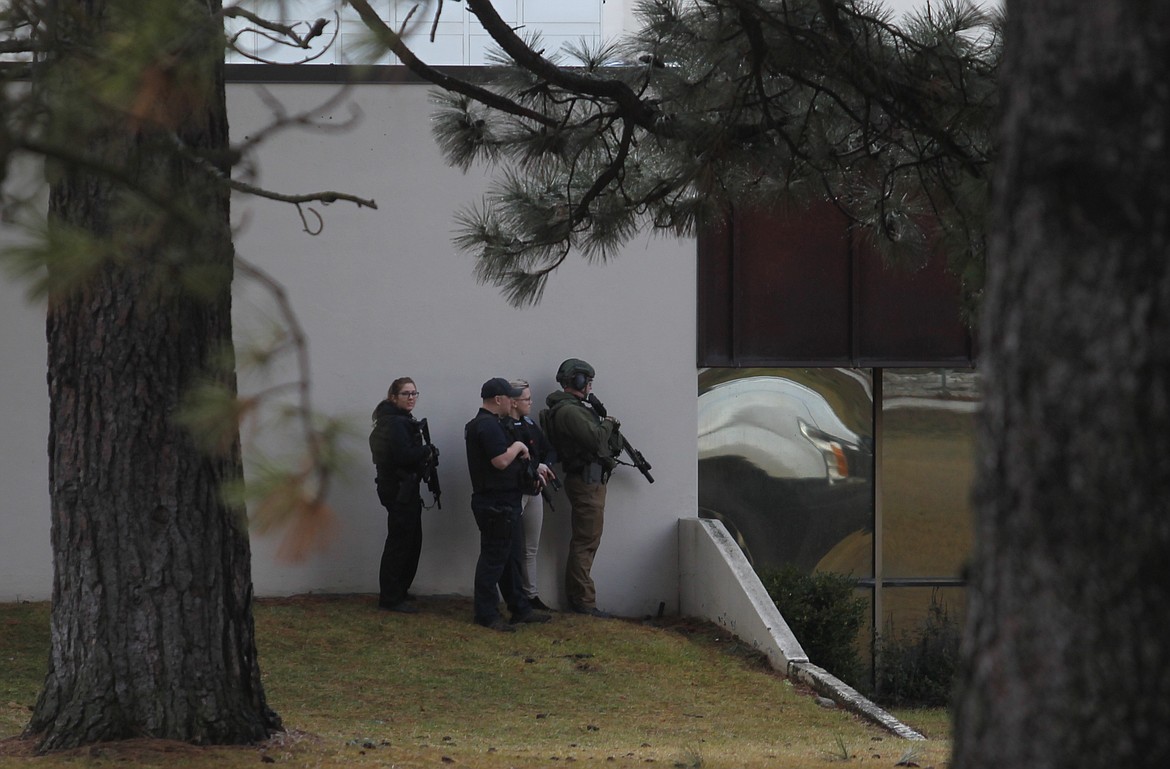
x=587, y=444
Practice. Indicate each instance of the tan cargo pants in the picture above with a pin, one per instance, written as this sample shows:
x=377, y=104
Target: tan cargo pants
x=587, y=520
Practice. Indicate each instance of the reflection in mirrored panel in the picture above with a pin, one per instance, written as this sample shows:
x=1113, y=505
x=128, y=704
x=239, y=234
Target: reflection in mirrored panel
x=928, y=464
x=908, y=611
x=786, y=463
x=918, y=644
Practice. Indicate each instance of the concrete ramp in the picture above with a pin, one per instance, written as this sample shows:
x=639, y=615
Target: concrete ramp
x=717, y=583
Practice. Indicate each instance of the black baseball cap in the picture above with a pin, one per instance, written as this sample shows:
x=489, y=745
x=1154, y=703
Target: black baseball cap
x=498, y=386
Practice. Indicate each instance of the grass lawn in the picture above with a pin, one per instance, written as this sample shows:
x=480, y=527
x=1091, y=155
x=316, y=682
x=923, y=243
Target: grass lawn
x=357, y=687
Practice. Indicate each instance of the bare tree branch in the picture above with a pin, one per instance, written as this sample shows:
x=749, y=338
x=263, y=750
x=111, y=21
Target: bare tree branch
x=394, y=42
x=631, y=106
x=318, y=469
x=285, y=34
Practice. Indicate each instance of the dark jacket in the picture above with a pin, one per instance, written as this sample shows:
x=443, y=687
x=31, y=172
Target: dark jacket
x=486, y=437
x=578, y=433
x=396, y=446
x=539, y=449
x=539, y=446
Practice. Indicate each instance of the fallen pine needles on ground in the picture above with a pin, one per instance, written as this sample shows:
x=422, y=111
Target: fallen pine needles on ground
x=363, y=688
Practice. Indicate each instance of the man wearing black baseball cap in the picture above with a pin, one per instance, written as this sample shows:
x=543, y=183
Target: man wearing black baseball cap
x=496, y=502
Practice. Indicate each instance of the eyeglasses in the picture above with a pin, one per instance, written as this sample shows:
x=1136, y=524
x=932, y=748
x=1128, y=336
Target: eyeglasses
x=523, y=400
x=408, y=394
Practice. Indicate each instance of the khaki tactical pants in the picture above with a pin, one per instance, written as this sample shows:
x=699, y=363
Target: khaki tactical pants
x=588, y=519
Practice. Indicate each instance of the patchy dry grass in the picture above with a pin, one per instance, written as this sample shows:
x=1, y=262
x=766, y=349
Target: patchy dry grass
x=361, y=688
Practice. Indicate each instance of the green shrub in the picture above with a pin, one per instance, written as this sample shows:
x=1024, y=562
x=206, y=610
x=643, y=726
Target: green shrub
x=918, y=670
x=825, y=613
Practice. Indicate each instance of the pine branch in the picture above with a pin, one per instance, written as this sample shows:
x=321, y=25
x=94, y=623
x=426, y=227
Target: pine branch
x=734, y=100
x=395, y=43
x=627, y=102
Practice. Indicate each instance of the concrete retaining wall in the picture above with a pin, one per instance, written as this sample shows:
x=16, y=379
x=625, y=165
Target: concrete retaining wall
x=717, y=583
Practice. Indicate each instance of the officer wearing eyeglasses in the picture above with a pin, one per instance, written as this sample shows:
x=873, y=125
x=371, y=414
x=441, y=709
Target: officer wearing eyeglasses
x=400, y=456
x=542, y=456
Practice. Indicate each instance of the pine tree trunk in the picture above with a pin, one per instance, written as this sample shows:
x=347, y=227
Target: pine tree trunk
x=152, y=632
x=1066, y=659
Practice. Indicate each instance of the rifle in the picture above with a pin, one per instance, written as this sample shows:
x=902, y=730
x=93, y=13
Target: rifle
x=531, y=467
x=430, y=472
x=556, y=486
x=636, y=458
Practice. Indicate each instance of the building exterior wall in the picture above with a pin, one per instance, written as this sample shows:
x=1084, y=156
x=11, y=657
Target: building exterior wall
x=454, y=39
x=25, y=557
x=383, y=294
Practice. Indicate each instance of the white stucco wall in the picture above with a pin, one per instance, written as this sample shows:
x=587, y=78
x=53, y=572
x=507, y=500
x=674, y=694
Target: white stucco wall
x=383, y=294
x=25, y=558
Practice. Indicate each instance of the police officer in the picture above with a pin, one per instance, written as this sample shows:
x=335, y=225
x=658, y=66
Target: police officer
x=585, y=442
x=541, y=457
x=400, y=457
x=496, y=503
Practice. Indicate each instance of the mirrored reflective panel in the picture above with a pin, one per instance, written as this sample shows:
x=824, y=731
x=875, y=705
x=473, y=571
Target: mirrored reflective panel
x=919, y=642
x=928, y=464
x=907, y=612
x=864, y=643
x=786, y=463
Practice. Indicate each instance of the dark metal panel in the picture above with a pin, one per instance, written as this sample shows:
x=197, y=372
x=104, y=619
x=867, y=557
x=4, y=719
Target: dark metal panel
x=908, y=313
x=715, y=261
x=791, y=290
x=342, y=73
x=785, y=288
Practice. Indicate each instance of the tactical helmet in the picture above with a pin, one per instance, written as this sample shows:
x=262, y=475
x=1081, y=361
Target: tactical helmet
x=572, y=367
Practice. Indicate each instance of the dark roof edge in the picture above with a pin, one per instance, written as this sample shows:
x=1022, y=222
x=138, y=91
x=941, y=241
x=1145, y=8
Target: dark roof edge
x=339, y=73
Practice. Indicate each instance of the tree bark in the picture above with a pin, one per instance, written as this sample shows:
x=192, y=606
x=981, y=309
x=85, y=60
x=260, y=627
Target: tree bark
x=152, y=632
x=1065, y=656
